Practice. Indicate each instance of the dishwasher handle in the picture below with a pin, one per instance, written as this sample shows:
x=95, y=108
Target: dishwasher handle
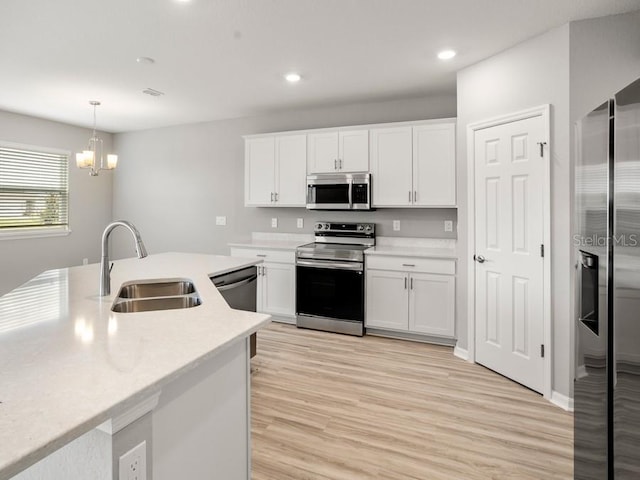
x=229, y=286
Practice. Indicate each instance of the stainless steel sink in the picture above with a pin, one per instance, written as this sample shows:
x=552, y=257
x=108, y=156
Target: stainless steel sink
x=161, y=294
x=158, y=303
x=151, y=288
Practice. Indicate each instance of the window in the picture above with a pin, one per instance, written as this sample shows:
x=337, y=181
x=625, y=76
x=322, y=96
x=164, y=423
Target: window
x=34, y=190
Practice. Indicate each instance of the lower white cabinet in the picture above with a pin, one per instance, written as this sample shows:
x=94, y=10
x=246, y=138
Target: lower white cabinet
x=276, y=292
x=276, y=289
x=411, y=295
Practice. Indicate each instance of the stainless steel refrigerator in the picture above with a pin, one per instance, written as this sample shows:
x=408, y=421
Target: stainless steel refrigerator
x=607, y=244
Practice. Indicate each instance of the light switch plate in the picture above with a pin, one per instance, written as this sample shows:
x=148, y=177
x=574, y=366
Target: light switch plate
x=221, y=220
x=448, y=226
x=274, y=222
x=300, y=223
x=396, y=225
x=133, y=464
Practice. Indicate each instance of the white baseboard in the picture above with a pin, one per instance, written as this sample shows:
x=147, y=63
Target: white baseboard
x=561, y=401
x=461, y=353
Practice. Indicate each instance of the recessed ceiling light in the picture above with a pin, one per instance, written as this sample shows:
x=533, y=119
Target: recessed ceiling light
x=446, y=54
x=292, y=77
x=145, y=60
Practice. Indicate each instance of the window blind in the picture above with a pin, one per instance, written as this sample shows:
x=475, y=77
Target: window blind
x=34, y=188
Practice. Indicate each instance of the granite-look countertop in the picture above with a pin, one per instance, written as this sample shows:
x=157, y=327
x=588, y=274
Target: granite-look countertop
x=274, y=241
x=68, y=363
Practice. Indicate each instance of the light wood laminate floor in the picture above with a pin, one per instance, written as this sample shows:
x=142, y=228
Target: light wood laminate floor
x=335, y=407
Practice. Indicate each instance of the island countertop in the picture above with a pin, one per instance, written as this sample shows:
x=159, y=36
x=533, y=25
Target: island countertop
x=68, y=363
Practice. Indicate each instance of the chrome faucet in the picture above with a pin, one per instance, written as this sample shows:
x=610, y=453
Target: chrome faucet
x=105, y=268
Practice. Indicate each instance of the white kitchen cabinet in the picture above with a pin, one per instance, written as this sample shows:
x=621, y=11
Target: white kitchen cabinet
x=434, y=165
x=338, y=151
x=411, y=295
x=276, y=290
x=275, y=171
x=414, y=165
x=391, y=166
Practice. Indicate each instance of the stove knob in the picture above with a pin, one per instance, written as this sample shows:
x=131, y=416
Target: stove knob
x=318, y=226
x=326, y=226
x=360, y=228
x=368, y=228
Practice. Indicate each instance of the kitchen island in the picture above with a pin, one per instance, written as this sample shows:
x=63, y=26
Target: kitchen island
x=72, y=370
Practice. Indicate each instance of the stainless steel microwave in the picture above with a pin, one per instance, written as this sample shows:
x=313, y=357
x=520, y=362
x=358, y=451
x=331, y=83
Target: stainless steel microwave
x=339, y=191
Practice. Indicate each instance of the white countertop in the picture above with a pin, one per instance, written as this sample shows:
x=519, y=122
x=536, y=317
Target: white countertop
x=67, y=363
x=415, y=247
x=274, y=241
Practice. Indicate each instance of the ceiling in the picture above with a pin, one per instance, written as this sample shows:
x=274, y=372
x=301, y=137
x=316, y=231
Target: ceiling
x=217, y=59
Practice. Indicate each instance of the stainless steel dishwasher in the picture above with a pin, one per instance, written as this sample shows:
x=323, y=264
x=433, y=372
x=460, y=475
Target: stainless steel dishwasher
x=239, y=290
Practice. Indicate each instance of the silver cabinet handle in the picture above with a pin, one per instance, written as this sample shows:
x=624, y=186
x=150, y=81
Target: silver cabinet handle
x=272, y=196
x=479, y=258
x=340, y=163
x=335, y=164
x=408, y=265
x=411, y=283
x=409, y=196
x=261, y=255
x=276, y=195
x=405, y=283
x=415, y=196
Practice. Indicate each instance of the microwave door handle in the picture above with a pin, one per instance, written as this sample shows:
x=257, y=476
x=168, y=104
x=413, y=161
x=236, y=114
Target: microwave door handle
x=350, y=194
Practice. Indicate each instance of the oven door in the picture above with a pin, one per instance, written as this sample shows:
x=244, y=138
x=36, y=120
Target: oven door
x=330, y=289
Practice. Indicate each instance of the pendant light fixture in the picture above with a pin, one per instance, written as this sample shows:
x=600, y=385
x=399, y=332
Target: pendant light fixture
x=93, y=158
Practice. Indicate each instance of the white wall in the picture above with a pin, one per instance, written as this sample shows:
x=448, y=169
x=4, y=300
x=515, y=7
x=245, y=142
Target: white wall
x=89, y=204
x=530, y=74
x=172, y=182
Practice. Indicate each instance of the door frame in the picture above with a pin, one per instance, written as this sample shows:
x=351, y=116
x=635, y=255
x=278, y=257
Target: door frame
x=543, y=111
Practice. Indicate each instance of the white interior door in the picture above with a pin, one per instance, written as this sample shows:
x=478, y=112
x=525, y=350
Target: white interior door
x=509, y=206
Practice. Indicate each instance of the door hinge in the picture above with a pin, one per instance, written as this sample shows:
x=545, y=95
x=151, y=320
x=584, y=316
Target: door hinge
x=542, y=144
x=542, y=350
x=542, y=249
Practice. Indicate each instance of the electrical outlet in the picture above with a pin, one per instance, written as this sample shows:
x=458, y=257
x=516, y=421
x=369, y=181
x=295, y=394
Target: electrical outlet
x=85, y=261
x=133, y=464
x=221, y=220
x=396, y=225
x=300, y=223
x=274, y=223
x=448, y=226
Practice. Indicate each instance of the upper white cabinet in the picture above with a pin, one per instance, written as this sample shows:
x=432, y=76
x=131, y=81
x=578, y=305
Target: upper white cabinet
x=338, y=151
x=275, y=171
x=434, y=164
x=414, y=165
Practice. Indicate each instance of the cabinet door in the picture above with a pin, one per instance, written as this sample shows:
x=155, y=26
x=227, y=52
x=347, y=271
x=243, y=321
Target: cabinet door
x=353, y=151
x=434, y=165
x=322, y=154
x=291, y=171
x=432, y=304
x=278, y=289
x=387, y=302
x=259, y=171
x=391, y=166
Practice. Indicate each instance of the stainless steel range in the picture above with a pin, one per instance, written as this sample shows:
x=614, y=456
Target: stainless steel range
x=330, y=277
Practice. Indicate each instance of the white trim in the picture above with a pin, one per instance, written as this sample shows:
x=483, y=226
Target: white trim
x=562, y=401
x=543, y=111
x=38, y=148
x=114, y=425
x=461, y=353
x=33, y=232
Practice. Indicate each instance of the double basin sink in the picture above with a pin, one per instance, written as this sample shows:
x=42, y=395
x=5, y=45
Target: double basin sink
x=152, y=295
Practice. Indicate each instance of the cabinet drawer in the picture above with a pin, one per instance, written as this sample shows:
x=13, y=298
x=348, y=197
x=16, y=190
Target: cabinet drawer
x=276, y=256
x=412, y=264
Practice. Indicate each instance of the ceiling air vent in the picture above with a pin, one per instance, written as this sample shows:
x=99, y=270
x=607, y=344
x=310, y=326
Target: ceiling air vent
x=152, y=92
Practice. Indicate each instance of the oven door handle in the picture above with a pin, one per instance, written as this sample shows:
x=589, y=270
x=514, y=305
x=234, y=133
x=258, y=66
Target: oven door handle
x=330, y=265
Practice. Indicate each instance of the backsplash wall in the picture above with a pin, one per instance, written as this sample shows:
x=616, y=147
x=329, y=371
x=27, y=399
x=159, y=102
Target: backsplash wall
x=173, y=182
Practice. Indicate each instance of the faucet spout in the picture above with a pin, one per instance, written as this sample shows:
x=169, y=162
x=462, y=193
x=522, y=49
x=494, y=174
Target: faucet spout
x=105, y=268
